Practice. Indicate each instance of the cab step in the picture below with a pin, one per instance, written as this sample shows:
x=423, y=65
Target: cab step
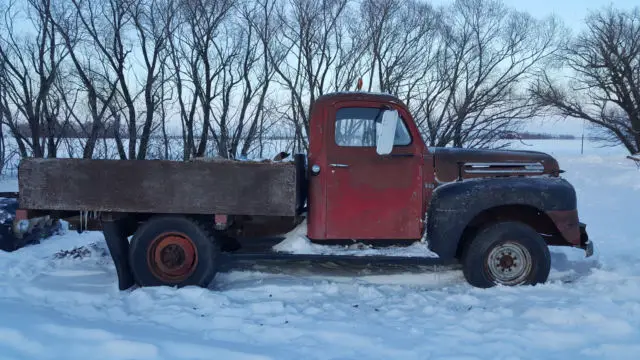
x=263, y=250
x=351, y=259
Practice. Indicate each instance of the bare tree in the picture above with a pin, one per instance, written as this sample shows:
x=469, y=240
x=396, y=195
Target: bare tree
x=194, y=57
x=489, y=54
x=306, y=53
x=406, y=57
x=166, y=93
x=231, y=70
x=152, y=19
x=236, y=61
x=399, y=36
x=105, y=24
x=604, y=86
x=261, y=20
x=181, y=60
x=6, y=118
x=244, y=82
x=94, y=77
x=7, y=153
x=30, y=66
x=7, y=115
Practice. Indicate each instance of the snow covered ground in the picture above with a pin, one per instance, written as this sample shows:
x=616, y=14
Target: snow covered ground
x=66, y=306
x=296, y=242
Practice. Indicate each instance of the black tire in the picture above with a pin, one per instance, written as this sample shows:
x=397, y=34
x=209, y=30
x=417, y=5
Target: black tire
x=519, y=256
x=173, y=251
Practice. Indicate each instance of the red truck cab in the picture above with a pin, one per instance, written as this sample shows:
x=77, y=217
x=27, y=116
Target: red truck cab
x=354, y=192
x=408, y=192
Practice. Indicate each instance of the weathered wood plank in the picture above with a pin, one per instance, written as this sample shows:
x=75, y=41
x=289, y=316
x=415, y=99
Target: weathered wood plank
x=158, y=186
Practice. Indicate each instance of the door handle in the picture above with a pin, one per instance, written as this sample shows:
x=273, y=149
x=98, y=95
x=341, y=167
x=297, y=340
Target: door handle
x=339, y=165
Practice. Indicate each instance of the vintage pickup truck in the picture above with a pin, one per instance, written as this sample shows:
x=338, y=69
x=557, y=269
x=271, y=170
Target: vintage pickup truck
x=368, y=177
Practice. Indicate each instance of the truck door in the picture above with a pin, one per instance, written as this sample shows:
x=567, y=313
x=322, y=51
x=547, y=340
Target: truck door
x=371, y=196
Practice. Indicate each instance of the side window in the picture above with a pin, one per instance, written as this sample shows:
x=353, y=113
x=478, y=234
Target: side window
x=357, y=127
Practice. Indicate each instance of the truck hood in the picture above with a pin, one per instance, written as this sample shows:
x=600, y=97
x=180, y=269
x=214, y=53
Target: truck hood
x=454, y=163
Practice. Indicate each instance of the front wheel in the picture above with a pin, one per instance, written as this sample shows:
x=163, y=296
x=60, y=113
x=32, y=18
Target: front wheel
x=506, y=253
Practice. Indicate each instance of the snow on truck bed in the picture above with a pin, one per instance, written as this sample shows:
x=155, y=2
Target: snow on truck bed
x=60, y=303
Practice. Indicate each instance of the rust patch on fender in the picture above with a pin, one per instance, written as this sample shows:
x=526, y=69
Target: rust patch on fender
x=567, y=223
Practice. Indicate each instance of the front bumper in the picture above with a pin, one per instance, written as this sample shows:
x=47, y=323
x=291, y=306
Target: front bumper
x=585, y=243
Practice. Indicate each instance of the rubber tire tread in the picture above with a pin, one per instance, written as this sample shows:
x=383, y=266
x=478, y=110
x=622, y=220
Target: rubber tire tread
x=206, y=246
x=475, y=255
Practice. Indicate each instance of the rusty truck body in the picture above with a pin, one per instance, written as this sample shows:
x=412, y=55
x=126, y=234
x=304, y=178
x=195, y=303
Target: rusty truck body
x=368, y=177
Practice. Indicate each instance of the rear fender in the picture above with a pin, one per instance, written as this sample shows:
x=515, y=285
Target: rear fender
x=454, y=205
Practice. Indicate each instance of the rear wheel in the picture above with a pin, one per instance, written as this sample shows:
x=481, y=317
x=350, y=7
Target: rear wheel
x=173, y=251
x=506, y=253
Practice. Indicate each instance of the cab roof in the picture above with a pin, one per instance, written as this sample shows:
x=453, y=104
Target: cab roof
x=357, y=95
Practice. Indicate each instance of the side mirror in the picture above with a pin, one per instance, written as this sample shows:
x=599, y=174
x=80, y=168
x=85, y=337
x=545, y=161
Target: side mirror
x=386, y=132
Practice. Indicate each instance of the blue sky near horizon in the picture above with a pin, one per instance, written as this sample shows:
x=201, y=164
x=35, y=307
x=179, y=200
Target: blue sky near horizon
x=572, y=12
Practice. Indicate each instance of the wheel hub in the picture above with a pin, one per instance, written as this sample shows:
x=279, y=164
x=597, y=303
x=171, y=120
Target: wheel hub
x=509, y=263
x=172, y=257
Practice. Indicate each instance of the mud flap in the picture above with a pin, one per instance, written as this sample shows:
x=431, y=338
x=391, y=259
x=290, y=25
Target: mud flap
x=118, y=245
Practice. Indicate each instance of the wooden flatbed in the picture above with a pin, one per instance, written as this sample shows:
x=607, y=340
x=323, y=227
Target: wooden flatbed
x=207, y=186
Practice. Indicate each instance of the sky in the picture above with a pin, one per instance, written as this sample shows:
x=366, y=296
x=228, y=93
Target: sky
x=572, y=13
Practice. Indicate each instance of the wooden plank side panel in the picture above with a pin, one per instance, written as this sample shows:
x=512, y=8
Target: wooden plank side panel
x=158, y=186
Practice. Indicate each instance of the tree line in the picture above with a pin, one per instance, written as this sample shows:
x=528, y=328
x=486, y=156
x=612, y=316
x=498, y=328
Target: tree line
x=224, y=74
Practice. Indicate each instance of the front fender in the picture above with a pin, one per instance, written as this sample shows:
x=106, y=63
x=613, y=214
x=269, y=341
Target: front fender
x=455, y=204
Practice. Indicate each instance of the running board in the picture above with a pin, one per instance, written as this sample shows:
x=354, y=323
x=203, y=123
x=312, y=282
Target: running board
x=353, y=259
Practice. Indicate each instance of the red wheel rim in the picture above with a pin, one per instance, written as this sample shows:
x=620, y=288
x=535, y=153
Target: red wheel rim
x=172, y=257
